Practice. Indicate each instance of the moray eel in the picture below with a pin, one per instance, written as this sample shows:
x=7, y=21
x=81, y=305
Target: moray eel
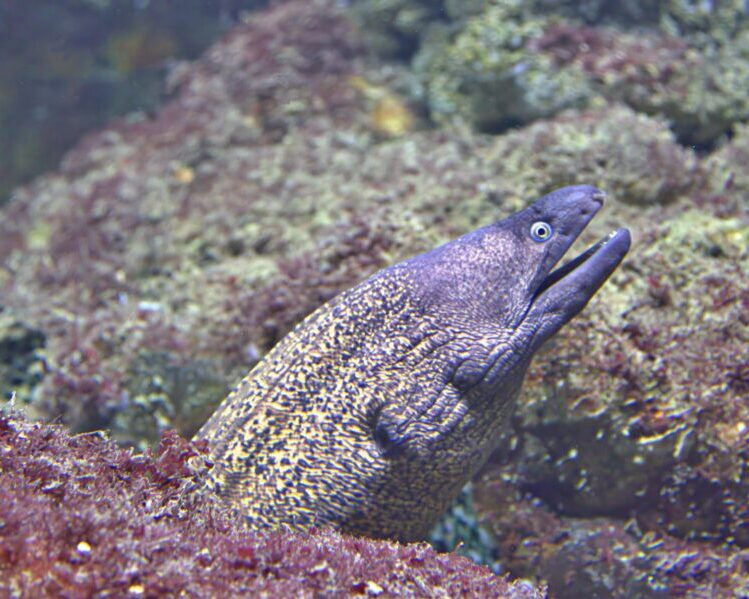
x=377, y=409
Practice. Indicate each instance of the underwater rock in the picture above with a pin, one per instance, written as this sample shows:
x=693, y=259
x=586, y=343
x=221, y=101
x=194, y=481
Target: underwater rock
x=102, y=255
x=134, y=524
x=726, y=168
x=646, y=409
x=698, y=88
x=393, y=28
x=598, y=12
x=164, y=394
x=496, y=65
x=20, y=357
x=484, y=74
x=603, y=557
x=632, y=156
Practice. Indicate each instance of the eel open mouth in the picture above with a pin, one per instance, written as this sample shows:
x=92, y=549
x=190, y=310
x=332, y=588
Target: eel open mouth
x=588, y=271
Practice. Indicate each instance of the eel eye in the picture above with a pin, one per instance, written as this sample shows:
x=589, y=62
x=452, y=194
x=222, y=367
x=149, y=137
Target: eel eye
x=541, y=231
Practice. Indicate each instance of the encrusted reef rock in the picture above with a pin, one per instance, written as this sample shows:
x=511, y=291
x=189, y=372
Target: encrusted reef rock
x=695, y=81
x=499, y=63
x=394, y=27
x=643, y=408
x=726, y=170
x=604, y=557
x=127, y=524
x=485, y=75
x=632, y=156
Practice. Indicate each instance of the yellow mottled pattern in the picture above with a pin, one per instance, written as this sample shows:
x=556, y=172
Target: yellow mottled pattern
x=295, y=443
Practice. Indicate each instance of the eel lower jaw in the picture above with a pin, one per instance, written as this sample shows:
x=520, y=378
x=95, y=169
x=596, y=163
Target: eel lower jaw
x=577, y=280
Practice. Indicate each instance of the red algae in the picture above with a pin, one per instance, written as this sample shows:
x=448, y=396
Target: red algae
x=82, y=517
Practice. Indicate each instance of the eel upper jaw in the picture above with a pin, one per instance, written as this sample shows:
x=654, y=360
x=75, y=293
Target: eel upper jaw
x=566, y=290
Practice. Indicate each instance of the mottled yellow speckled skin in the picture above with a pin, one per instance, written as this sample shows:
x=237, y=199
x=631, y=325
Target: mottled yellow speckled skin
x=374, y=412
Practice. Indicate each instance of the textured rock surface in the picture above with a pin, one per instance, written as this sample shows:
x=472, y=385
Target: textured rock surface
x=484, y=74
x=633, y=157
x=155, y=228
x=647, y=410
x=129, y=524
x=604, y=557
x=499, y=63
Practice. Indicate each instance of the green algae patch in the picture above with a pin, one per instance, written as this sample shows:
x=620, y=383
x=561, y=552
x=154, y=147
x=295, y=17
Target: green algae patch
x=633, y=157
x=499, y=64
x=484, y=75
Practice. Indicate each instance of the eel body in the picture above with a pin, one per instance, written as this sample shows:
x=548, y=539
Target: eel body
x=377, y=409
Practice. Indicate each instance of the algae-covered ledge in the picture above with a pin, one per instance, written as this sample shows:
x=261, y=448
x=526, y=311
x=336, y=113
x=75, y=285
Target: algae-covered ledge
x=130, y=524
